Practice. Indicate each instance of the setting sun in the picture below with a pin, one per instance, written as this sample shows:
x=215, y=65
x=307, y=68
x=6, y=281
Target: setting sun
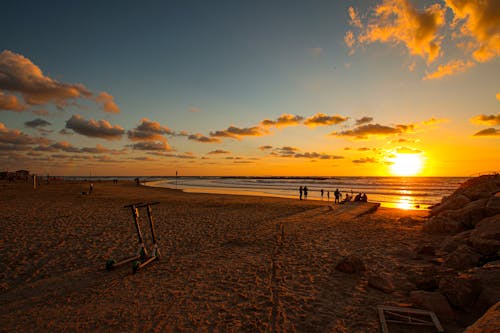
x=406, y=164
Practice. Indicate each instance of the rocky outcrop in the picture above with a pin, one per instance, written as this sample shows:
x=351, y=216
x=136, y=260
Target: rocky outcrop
x=486, y=237
x=433, y=301
x=461, y=291
x=469, y=275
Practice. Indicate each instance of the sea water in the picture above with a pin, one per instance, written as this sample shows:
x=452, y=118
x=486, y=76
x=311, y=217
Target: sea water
x=394, y=192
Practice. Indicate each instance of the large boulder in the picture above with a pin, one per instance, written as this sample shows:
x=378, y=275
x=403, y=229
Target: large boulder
x=451, y=243
x=433, y=301
x=470, y=214
x=461, y=291
x=462, y=258
x=381, y=281
x=443, y=224
x=486, y=237
x=481, y=187
x=455, y=201
x=488, y=323
x=425, y=278
x=490, y=287
x=493, y=205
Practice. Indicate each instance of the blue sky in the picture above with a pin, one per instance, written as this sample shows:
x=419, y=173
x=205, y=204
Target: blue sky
x=201, y=67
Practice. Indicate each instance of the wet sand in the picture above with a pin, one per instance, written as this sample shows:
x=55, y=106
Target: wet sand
x=224, y=265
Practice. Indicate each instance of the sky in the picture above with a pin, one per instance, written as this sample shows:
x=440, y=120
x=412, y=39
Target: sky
x=251, y=88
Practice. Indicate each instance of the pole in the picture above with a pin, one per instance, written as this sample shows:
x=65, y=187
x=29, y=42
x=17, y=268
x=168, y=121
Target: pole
x=176, y=179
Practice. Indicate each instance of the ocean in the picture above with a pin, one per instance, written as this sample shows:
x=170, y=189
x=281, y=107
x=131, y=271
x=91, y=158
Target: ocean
x=393, y=192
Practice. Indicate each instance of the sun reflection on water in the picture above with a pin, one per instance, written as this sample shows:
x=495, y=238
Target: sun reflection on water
x=405, y=203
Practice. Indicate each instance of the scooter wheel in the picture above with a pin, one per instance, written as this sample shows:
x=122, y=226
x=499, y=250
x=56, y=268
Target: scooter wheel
x=109, y=264
x=135, y=266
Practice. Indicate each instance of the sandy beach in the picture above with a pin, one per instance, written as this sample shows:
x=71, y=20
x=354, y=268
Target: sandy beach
x=224, y=266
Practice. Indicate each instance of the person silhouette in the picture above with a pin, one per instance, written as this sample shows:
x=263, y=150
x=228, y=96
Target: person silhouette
x=305, y=192
x=300, y=192
x=322, y=194
x=337, y=196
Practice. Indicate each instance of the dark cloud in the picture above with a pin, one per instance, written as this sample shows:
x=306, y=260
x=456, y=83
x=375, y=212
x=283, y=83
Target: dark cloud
x=283, y=120
x=484, y=119
x=321, y=119
x=365, y=160
x=65, y=146
x=37, y=123
x=362, y=132
x=218, y=152
x=16, y=137
x=407, y=150
x=96, y=129
x=203, y=139
x=236, y=132
x=363, y=120
x=488, y=132
x=65, y=132
x=149, y=131
x=151, y=146
x=321, y=156
x=263, y=148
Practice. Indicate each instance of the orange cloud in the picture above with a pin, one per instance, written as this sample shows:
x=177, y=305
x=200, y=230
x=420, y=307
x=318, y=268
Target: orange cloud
x=398, y=21
x=97, y=129
x=488, y=132
x=498, y=96
x=354, y=16
x=18, y=74
x=263, y=148
x=481, y=21
x=350, y=41
x=18, y=138
x=283, y=120
x=10, y=103
x=483, y=119
x=108, y=102
x=203, y=139
x=321, y=119
x=453, y=67
x=149, y=131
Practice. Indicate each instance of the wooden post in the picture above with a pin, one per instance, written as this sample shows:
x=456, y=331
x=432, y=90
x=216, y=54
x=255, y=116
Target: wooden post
x=34, y=182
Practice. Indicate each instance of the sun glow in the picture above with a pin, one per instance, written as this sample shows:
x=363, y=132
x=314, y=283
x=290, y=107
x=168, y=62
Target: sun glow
x=406, y=164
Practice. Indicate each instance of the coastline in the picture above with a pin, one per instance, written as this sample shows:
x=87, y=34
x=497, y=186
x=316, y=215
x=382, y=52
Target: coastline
x=222, y=268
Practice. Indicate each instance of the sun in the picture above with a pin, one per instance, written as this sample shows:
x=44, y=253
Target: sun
x=406, y=164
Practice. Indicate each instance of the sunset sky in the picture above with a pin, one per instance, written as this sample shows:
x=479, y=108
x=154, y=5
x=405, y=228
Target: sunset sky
x=305, y=88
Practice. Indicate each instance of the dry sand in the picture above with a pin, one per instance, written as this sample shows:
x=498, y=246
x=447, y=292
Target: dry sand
x=223, y=268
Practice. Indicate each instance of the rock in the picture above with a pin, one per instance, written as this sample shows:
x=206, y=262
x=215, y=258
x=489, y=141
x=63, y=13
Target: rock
x=433, y=301
x=381, y=282
x=425, y=249
x=451, y=243
x=455, y=201
x=443, y=224
x=351, y=264
x=493, y=205
x=461, y=291
x=425, y=279
x=469, y=215
x=462, y=258
x=488, y=323
x=490, y=287
x=486, y=237
x=481, y=187
x=492, y=264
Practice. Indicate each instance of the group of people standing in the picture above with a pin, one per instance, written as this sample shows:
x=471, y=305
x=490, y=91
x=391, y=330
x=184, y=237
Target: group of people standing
x=338, y=195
